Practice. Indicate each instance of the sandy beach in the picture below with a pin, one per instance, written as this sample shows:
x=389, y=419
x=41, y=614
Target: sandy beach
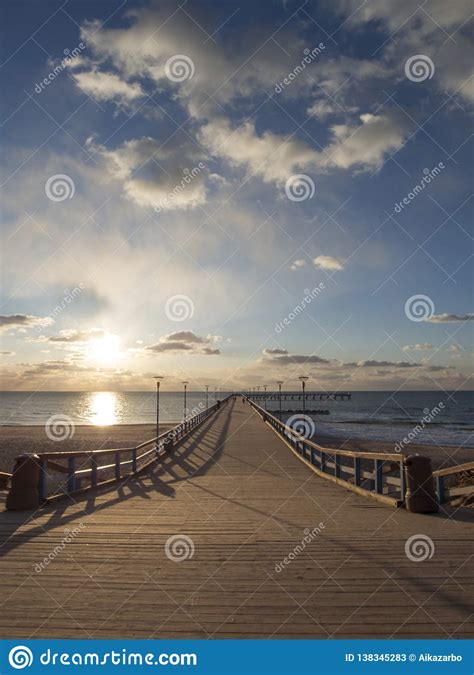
x=15, y=440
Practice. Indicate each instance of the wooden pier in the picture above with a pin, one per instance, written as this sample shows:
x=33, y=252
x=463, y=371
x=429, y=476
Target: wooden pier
x=233, y=533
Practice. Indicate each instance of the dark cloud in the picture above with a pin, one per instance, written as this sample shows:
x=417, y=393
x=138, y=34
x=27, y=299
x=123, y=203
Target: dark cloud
x=69, y=336
x=384, y=364
x=185, y=341
x=22, y=321
x=450, y=318
x=294, y=359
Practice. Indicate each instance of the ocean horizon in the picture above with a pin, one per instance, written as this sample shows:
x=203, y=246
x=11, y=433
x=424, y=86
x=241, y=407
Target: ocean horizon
x=371, y=415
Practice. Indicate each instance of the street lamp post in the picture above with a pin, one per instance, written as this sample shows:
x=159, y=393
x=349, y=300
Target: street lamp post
x=302, y=379
x=158, y=378
x=265, y=403
x=207, y=396
x=279, y=383
x=185, y=383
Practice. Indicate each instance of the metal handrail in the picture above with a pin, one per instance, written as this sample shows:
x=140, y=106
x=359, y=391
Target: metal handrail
x=327, y=462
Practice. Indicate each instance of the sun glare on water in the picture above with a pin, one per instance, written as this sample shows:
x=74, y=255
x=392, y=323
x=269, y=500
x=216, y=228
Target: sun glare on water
x=103, y=408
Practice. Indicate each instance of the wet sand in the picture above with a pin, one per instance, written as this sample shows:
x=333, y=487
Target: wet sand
x=16, y=440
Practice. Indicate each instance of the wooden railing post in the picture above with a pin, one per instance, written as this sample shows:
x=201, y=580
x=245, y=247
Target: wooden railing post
x=93, y=470
x=337, y=466
x=403, y=482
x=357, y=471
x=323, y=461
x=379, y=476
x=440, y=489
x=42, y=488
x=117, y=466
x=71, y=474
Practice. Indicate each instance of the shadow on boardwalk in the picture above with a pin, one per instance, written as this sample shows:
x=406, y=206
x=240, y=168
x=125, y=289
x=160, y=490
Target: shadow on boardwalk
x=193, y=457
x=244, y=501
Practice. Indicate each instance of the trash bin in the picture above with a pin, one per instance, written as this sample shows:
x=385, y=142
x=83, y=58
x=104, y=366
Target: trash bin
x=24, y=493
x=420, y=496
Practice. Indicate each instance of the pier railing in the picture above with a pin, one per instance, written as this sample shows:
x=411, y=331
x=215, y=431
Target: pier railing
x=297, y=396
x=454, y=482
x=47, y=476
x=393, y=478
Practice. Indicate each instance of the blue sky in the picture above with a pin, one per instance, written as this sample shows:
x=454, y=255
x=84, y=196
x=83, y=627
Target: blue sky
x=178, y=179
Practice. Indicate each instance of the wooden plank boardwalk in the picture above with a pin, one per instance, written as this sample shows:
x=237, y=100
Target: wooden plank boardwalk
x=245, y=501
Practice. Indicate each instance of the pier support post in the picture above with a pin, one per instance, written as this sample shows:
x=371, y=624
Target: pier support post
x=420, y=496
x=24, y=493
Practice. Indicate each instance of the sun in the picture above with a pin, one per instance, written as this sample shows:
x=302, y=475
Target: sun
x=105, y=349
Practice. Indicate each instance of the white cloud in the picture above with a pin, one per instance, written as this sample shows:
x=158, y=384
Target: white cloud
x=158, y=32
x=396, y=14
x=276, y=157
x=367, y=144
x=269, y=155
x=424, y=30
x=297, y=264
x=424, y=346
x=107, y=86
x=322, y=109
x=326, y=262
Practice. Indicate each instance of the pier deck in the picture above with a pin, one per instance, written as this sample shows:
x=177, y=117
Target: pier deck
x=244, y=501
